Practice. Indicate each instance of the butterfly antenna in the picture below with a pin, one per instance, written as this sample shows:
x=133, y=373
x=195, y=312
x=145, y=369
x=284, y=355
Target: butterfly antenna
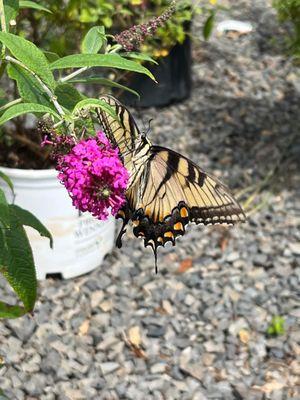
x=149, y=126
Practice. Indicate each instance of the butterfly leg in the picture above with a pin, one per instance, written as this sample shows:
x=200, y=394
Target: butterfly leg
x=125, y=215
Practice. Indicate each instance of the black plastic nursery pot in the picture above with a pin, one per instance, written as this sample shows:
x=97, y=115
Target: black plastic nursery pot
x=173, y=74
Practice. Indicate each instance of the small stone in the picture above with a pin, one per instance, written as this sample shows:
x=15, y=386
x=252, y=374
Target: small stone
x=158, y=368
x=96, y=298
x=155, y=331
x=208, y=359
x=236, y=326
x=106, y=305
x=167, y=307
x=231, y=257
x=194, y=370
x=107, y=343
x=295, y=312
x=295, y=248
x=189, y=300
x=109, y=367
x=212, y=347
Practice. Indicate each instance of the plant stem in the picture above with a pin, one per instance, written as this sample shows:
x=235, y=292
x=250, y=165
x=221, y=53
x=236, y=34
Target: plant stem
x=45, y=87
x=3, y=28
x=75, y=73
x=11, y=103
x=2, y=16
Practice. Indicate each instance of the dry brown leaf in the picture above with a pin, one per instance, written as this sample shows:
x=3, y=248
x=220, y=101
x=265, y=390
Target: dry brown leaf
x=134, y=342
x=185, y=265
x=270, y=386
x=244, y=336
x=135, y=336
x=224, y=243
x=84, y=327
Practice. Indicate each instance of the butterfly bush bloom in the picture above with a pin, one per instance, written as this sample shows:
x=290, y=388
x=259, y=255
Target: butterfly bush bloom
x=132, y=38
x=93, y=175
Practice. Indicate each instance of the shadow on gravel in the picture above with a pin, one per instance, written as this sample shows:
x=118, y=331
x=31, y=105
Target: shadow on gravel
x=251, y=134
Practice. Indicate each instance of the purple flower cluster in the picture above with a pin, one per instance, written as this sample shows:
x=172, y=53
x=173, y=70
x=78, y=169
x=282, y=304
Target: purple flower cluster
x=132, y=38
x=94, y=176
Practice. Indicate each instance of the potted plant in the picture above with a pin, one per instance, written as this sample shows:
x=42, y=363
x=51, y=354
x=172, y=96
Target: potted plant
x=289, y=10
x=170, y=46
x=43, y=84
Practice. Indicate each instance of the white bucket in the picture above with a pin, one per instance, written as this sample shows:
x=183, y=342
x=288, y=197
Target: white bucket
x=80, y=242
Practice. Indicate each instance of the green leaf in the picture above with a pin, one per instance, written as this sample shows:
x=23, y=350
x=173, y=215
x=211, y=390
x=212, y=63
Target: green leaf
x=26, y=218
x=276, y=326
x=32, y=4
x=29, y=88
x=104, y=82
x=8, y=311
x=100, y=60
x=95, y=103
x=20, y=271
x=50, y=55
x=139, y=56
x=3, y=249
x=2, y=395
x=29, y=55
x=4, y=210
x=67, y=95
x=94, y=40
x=25, y=108
x=208, y=26
x=11, y=10
x=6, y=179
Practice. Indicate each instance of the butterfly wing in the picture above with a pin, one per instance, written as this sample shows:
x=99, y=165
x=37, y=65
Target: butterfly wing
x=171, y=192
x=122, y=132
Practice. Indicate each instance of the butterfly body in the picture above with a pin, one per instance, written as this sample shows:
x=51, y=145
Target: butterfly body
x=166, y=190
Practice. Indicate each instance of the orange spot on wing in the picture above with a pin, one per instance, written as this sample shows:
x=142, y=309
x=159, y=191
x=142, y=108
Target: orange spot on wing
x=168, y=234
x=135, y=222
x=184, y=212
x=178, y=226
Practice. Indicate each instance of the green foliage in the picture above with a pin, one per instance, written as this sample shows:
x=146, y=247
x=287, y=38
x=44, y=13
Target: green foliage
x=289, y=10
x=71, y=19
x=41, y=92
x=16, y=260
x=208, y=26
x=29, y=55
x=276, y=327
x=100, y=60
x=94, y=40
x=26, y=108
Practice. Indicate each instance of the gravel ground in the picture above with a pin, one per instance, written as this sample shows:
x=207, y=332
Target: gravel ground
x=197, y=330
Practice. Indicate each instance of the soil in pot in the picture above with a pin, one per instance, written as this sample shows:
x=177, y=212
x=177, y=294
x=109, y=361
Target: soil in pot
x=24, y=151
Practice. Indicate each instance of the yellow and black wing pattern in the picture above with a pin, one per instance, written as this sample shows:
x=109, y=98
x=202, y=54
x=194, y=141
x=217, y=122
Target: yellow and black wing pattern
x=167, y=190
x=171, y=192
x=122, y=133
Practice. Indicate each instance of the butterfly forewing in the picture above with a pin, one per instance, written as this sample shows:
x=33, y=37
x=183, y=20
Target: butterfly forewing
x=122, y=133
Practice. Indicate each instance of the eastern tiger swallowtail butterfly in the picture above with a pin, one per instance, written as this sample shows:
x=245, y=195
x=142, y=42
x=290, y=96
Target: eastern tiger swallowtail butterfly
x=166, y=190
